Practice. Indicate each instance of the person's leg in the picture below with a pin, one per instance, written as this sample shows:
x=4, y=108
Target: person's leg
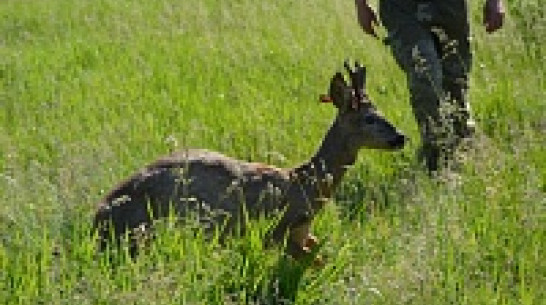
x=456, y=65
x=415, y=51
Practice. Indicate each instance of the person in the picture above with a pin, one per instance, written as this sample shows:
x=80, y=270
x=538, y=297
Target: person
x=430, y=41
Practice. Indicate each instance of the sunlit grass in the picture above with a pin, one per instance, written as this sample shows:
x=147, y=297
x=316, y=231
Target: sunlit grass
x=90, y=91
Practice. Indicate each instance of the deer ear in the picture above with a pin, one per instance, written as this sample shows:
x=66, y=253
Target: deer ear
x=338, y=87
x=338, y=80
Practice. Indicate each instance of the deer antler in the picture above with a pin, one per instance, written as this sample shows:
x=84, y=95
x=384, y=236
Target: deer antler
x=358, y=78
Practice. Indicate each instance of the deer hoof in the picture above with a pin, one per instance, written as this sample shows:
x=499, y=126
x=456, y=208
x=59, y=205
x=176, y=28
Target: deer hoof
x=318, y=262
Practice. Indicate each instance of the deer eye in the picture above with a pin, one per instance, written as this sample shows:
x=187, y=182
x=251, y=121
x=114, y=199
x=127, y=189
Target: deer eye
x=369, y=119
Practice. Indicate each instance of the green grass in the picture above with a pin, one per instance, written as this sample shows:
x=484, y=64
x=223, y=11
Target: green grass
x=90, y=91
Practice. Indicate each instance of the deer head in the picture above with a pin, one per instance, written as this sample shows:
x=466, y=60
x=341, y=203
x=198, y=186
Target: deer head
x=357, y=118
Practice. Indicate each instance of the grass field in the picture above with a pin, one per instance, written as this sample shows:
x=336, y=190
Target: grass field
x=90, y=91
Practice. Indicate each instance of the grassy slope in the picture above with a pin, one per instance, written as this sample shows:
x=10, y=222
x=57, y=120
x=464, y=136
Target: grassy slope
x=92, y=90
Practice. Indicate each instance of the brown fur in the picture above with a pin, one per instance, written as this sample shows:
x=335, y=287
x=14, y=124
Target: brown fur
x=202, y=181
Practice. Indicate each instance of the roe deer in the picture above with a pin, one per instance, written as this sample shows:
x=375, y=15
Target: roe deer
x=201, y=180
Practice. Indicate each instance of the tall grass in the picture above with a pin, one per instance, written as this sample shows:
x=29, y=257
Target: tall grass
x=92, y=90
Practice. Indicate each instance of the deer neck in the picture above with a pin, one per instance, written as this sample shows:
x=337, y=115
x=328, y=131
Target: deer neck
x=321, y=175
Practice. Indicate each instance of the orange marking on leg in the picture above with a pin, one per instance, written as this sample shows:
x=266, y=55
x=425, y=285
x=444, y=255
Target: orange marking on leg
x=311, y=241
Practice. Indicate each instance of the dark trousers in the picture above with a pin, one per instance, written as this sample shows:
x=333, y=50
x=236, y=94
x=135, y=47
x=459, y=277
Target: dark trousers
x=430, y=42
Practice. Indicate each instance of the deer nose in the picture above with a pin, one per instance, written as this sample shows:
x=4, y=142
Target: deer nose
x=399, y=141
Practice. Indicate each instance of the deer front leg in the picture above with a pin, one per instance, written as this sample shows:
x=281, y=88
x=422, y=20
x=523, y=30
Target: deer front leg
x=298, y=237
x=311, y=241
x=301, y=242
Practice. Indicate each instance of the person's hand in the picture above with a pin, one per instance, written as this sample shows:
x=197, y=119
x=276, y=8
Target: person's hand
x=493, y=15
x=367, y=18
